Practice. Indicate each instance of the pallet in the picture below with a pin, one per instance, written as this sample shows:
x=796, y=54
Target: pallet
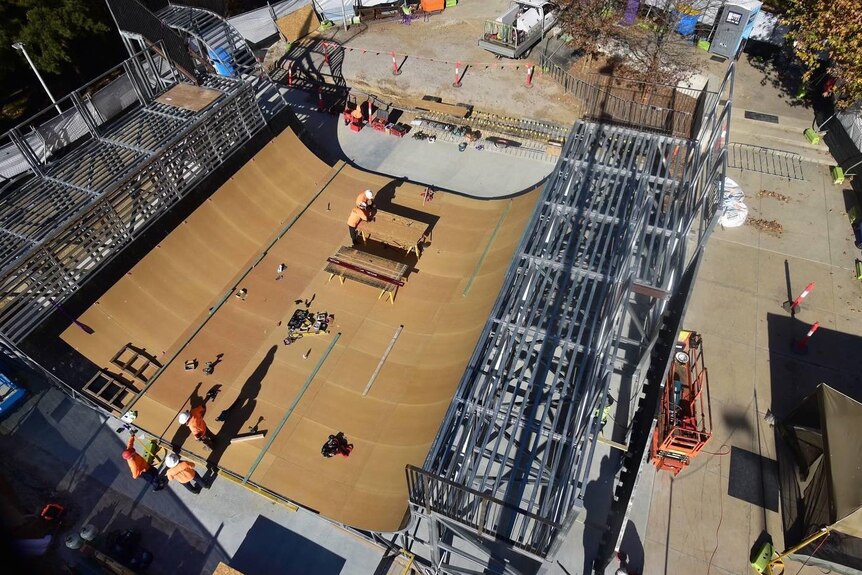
x=136, y=362
x=110, y=390
x=436, y=105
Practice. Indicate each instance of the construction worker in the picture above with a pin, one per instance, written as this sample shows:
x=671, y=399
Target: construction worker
x=184, y=473
x=606, y=413
x=139, y=466
x=194, y=418
x=365, y=201
x=357, y=216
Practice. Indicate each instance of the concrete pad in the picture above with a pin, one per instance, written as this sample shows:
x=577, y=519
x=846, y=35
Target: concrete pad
x=725, y=312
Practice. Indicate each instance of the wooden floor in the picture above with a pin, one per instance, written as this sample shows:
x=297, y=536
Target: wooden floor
x=161, y=303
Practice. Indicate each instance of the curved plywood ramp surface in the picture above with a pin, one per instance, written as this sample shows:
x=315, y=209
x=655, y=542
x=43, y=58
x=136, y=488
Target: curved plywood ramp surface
x=164, y=305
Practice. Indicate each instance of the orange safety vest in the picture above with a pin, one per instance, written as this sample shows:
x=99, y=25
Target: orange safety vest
x=184, y=471
x=196, y=424
x=137, y=464
x=361, y=199
x=356, y=216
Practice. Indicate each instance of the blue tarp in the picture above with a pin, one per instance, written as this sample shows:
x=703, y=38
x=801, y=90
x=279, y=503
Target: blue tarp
x=222, y=62
x=687, y=23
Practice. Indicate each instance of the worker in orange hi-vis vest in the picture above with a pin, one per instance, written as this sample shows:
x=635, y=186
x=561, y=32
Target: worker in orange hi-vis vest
x=183, y=472
x=357, y=215
x=194, y=418
x=139, y=466
x=365, y=201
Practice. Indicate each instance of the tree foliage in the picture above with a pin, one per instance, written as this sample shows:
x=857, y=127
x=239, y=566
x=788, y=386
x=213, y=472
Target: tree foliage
x=650, y=50
x=47, y=28
x=830, y=31
x=588, y=23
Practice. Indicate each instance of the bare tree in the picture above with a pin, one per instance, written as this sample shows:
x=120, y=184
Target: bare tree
x=652, y=50
x=588, y=23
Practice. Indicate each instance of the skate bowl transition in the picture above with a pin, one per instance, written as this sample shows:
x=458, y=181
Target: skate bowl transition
x=385, y=387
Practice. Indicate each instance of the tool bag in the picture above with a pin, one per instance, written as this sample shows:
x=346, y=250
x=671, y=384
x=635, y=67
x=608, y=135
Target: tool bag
x=336, y=445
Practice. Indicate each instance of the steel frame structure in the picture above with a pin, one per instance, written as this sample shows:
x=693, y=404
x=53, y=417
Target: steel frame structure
x=582, y=301
x=84, y=204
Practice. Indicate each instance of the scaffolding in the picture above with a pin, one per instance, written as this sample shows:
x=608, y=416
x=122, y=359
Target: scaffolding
x=89, y=196
x=618, y=223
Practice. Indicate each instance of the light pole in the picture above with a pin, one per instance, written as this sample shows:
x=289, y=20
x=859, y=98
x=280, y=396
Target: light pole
x=20, y=47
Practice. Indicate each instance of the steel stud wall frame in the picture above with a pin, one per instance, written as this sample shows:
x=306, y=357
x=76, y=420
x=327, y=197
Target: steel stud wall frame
x=79, y=211
x=581, y=303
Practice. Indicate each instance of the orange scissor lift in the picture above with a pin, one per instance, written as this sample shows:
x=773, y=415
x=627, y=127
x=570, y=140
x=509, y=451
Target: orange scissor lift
x=684, y=421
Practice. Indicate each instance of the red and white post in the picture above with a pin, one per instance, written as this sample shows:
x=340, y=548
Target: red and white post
x=802, y=345
x=290, y=73
x=793, y=306
x=457, y=82
x=395, y=70
x=326, y=55
x=529, y=82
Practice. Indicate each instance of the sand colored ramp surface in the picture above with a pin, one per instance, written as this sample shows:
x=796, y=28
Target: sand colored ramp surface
x=301, y=393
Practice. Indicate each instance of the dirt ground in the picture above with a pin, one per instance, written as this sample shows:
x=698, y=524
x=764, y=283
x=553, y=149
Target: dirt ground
x=427, y=53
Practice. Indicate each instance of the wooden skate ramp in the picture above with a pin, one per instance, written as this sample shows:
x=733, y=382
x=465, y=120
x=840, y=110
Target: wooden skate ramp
x=163, y=305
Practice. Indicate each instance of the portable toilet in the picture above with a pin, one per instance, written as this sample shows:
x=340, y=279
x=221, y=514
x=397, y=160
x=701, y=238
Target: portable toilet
x=734, y=24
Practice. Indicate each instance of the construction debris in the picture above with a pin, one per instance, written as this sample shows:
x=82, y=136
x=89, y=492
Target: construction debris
x=768, y=226
x=774, y=195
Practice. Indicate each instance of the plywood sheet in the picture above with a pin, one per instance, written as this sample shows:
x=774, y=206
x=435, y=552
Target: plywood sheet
x=221, y=247
x=298, y=24
x=188, y=97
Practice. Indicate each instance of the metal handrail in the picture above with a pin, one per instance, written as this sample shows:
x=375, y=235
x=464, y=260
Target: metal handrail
x=479, y=510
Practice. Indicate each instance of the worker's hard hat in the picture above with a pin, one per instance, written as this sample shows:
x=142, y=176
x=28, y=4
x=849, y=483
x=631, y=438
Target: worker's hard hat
x=128, y=453
x=172, y=460
x=369, y=195
x=184, y=417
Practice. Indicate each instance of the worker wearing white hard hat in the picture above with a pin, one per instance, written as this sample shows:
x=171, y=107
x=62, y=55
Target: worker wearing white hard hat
x=183, y=472
x=194, y=418
x=365, y=201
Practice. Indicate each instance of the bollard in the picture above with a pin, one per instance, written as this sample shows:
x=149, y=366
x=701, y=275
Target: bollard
x=326, y=55
x=457, y=82
x=319, y=99
x=802, y=345
x=370, y=111
x=793, y=306
x=395, y=70
x=529, y=83
x=290, y=73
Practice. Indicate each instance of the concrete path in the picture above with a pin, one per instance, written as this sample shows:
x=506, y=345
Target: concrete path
x=63, y=450
x=485, y=173
x=694, y=525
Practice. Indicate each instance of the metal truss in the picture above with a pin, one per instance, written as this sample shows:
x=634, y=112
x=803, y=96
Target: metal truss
x=222, y=43
x=582, y=300
x=89, y=200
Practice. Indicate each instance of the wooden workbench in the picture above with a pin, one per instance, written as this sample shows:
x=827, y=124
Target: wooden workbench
x=394, y=230
x=382, y=273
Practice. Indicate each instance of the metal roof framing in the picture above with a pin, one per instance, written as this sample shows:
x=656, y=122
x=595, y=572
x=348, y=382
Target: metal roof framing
x=77, y=212
x=582, y=300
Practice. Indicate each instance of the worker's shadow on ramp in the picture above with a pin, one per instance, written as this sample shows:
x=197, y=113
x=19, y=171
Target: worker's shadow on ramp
x=240, y=411
x=269, y=548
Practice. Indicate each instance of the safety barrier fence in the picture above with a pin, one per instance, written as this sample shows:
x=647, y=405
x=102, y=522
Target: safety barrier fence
x=480, y=511
x=600, y=103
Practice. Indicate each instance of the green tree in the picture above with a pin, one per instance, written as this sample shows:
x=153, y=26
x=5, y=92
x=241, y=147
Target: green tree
x=47, y=28
x=830, y=32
